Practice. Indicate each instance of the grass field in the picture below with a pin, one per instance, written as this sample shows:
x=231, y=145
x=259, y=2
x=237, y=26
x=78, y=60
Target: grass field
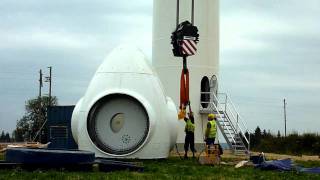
x=172, y=168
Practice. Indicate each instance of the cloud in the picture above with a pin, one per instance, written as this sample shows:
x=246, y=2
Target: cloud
x=269, y=51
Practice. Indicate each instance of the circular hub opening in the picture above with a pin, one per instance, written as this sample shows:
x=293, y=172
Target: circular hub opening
x=118, y=124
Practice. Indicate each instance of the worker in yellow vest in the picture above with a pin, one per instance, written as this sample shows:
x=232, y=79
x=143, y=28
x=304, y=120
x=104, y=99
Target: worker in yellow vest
x=211, y=130
x=189, y=139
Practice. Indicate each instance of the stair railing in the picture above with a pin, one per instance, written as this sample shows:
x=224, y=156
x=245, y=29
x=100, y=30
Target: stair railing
x=215, y=107
x=239, y=120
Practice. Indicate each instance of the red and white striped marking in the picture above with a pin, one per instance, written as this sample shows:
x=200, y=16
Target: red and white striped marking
x=188, y=47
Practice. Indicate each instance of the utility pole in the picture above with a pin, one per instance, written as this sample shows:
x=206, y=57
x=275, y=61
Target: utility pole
x=285, y=117
x=50, y=81
x=40, y=82
x=40, y=100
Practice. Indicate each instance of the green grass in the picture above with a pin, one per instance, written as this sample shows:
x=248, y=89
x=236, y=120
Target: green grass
x=172, y=168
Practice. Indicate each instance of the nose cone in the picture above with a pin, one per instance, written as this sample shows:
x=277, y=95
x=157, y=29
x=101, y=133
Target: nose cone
x=126, y=59
x=125, y=113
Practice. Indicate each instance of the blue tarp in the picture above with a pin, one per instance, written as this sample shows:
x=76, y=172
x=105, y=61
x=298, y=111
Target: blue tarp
x=286, y=165
x=281, y=165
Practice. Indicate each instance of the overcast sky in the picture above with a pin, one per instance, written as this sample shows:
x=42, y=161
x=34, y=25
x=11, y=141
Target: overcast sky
x=269, y=50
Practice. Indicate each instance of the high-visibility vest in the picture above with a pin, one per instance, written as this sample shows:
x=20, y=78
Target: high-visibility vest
x=189, y=126
x=213, y=129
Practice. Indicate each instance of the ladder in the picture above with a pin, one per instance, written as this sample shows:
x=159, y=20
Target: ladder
x=229, y=121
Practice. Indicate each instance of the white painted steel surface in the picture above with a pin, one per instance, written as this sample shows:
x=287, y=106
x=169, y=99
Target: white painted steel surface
x=204, y=63
x=126, y=73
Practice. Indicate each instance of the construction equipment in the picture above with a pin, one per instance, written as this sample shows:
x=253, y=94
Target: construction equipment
x=212, y=155
x=184, y=40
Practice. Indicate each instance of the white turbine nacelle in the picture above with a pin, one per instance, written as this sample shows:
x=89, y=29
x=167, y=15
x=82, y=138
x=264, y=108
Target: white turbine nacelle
x=125, y=113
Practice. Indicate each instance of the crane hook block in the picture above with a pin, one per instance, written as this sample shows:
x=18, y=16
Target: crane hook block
x=184, y=40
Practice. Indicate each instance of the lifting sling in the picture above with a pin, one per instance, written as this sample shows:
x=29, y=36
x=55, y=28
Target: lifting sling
x=184, y=90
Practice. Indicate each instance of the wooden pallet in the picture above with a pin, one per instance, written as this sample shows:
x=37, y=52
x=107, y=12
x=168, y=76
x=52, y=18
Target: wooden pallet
x=212, y=156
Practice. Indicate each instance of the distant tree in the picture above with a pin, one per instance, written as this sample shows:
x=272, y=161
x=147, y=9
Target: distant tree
x=278, y=135
x=264, y=133
x=22, y=130
x=34, y=118
x=256, y=137
x=257, y=132
x=7, y=138
x=2, y=137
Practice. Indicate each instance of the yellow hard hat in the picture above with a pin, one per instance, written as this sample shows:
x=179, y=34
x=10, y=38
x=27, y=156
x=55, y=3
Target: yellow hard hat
x=211, y=116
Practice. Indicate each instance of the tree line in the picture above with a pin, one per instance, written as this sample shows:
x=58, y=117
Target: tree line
x=294, y=143
x=5, y=137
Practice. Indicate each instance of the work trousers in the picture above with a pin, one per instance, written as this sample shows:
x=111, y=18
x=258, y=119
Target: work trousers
x=210, y=141
x=189, y=141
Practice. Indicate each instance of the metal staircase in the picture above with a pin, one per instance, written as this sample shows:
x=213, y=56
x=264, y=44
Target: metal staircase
x=229, y=121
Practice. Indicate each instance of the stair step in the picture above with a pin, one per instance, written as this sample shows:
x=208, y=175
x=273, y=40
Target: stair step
x=216, y=112
x=239, y=138
x=223, y=120
x=230, y=134
x=225, y=125
x=237, y=141
x=227, y=131
x=238, y=145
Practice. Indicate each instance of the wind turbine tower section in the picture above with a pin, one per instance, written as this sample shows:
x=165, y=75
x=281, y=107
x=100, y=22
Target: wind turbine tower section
x=203, y=66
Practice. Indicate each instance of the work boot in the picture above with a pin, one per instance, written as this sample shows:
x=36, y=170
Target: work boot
x=185, y=156
x=193, y=155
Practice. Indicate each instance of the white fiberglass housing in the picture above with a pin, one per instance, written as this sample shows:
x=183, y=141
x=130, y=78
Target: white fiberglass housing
x=124, y=112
